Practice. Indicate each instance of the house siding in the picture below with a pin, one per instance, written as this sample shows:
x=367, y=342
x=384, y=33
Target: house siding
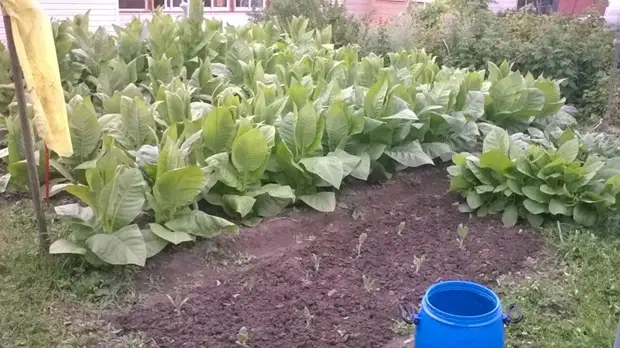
x=103, y=13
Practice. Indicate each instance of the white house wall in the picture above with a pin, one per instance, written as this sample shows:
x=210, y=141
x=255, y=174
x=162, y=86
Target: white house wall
x=102, y=12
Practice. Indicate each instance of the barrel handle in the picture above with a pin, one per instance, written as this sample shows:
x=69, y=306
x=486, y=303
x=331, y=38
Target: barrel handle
x=408, y=314
x=513, y=315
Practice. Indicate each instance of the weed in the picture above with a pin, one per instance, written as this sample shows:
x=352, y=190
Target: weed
x=243, y=337
x=177, y=303
x=400, y=328
x=308, y=317
x=417, y=262
x=462, y=231
x=369, y=283
x=316, y=261
x=360, y=242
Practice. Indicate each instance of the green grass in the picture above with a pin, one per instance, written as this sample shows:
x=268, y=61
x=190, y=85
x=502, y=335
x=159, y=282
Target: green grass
x=572, y=299
x=42, y=295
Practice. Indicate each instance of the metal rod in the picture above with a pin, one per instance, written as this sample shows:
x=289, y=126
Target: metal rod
x=617, y=343
x=27, y=135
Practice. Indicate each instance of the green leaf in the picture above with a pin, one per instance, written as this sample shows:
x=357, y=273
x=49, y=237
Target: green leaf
x=322, y=201
x=535, y=220
x=496, y=140
x=124, y=247
x=240, y=204
x=137, y=121
x=121, y=200
x=201, y=224
x=534, y=193
x=534, y=207
x=328, y=168
x=496, y=160
x=178, y=187
x=83, y=193
x=569, y=150
x=84, y=128
x=410, y=155
x=557, y=207
x=474, y=200
x=218, y=130
x=349, y=162
x=4, y=182
x=362, y=170
x=153, y=243
x=250, y=151
x=510, y=216
x=585, y=214
x=514, y=186
x=308, y=130
x=63, y=246
x=170, y=236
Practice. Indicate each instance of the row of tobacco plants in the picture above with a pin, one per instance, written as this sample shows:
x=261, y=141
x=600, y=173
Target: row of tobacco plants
x=172, y=118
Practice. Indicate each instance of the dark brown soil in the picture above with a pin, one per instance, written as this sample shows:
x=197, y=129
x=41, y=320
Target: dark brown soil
x=283, y=302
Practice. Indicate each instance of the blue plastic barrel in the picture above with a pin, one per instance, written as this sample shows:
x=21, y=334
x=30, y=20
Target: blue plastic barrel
x=461, y=314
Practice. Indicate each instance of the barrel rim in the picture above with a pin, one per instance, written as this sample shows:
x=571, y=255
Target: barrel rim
x=462, y=320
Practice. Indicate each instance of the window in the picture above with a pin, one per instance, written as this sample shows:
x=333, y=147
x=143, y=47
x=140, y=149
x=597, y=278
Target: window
x=137, y=4
x=216, y=4
x=140, y=4
x=249, y=3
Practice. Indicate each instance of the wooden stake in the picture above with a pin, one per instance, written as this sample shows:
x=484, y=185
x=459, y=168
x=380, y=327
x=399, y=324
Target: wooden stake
x=27, y=135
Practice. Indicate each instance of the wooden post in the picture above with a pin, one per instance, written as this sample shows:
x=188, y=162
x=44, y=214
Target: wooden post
x=27, y=135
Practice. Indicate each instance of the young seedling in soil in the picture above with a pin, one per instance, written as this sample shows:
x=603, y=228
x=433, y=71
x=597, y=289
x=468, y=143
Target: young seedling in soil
x=360, y=242
x=243, y=337
x=308, y=317
x=462, y=231
x=400, y=328
x=316, y=261
x=400, y=228
x=417, y=262
x=369, y=284
x=177, y=303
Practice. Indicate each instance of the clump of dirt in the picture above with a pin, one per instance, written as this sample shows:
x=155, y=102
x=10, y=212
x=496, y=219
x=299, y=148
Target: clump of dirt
x=309, y=287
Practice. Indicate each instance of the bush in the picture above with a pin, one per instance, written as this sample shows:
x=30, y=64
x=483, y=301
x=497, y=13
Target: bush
x=320, y=14
x=466, y=34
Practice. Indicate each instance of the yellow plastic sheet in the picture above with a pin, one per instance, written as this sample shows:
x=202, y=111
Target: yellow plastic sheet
x=34, y=43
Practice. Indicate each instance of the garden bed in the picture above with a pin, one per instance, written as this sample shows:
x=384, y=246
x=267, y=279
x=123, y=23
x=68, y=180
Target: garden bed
x=275, y=279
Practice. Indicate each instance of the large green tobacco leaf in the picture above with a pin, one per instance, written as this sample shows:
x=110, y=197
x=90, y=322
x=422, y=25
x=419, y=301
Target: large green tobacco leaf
x=154, y=244
x=84, y=128
x=322, y=201
x=138, y=123
x=271, y=199
x=585, y=214
x=249, y=156
x=218, y=130
x=121, y=200
x=302, y=131
x=170, y=236
x=328, y=168
x=177, y=188
x=63, y=246
x=496, y=160
x=410, y=155
x=201, y=224
x=124, y=247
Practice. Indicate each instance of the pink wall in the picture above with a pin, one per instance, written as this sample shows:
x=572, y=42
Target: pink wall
x=378, y=10
x=580, y=6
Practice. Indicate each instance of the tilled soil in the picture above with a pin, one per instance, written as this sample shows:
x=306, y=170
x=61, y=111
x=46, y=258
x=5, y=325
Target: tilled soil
x=284, y=301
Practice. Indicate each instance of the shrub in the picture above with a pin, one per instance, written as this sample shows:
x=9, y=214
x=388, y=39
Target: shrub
x=467, y=34
x=320, y=14
x=536, y=182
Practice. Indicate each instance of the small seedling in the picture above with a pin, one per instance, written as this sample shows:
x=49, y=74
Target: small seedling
x=243, y=337
x=400, y=228
x=462, y=231
x=400, y=328
x=308, y=317
x=417, y=262
x=369, y=284
x=316, y=261
x=360, y=242
x=177, y=303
